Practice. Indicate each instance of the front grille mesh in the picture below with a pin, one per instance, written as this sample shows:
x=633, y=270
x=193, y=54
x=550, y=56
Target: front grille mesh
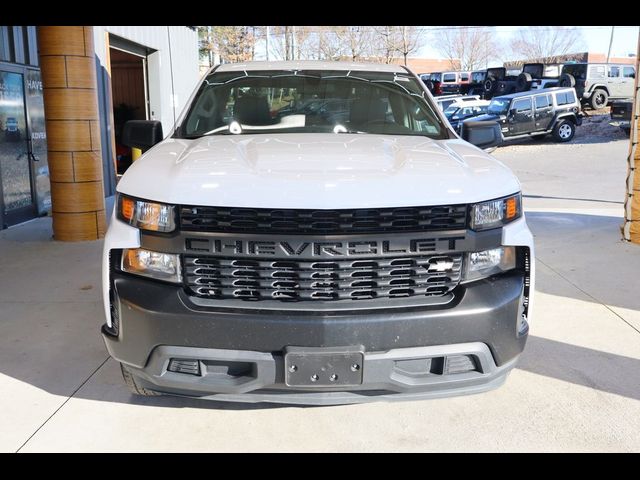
x=323, y=222
x=326, y=280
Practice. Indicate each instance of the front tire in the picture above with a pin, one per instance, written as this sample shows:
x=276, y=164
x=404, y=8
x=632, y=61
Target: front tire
x=564, y=131
x=599, y=99
x=134, y=386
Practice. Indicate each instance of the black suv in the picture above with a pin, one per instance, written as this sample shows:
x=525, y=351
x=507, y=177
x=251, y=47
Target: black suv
x=476, y=83
x=498, y=82
x=536, y=76
x=536, y=114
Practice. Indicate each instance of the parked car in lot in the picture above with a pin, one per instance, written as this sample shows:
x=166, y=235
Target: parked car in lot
x=454, y=82
x=445, y=101
x=536, y=114
x=536, y=76
x=476, y=84
x=263, y=258
x=498, y=82
x=598, y=83
x=433, y=82
x=621, y=111
x=459, y=112
x=11, y=130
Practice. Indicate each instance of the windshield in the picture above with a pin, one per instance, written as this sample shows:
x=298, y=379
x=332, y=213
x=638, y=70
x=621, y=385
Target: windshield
x=304, y=101
x=451, y=110
x=499, y=106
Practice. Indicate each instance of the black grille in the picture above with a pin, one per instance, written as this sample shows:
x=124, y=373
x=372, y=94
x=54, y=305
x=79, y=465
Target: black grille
x=328, y=280
x=323, y=222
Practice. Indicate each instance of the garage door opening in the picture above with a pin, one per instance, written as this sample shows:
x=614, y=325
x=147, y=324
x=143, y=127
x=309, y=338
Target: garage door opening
x=130, y=99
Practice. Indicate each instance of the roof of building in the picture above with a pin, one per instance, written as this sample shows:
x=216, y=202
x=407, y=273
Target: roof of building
x=310, y=65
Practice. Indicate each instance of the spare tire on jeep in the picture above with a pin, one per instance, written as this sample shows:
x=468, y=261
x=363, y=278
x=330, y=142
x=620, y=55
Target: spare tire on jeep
x=567, y=80
x=523, y=82
x=489, y=85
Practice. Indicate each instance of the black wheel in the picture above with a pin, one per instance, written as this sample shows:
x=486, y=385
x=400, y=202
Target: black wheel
x=134, y=387
x=564, y=131
x=599, y=99
x=567, y=80
x=523, y=82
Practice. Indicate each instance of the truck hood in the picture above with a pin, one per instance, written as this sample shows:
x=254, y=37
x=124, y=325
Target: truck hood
x=316, y=170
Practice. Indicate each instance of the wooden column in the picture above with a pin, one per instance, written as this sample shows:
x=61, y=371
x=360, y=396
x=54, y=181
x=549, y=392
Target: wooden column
x=631, y=228
x=73, y=132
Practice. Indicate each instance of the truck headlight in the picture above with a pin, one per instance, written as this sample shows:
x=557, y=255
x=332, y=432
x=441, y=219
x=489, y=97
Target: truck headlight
x=161, y=266
x=489, y=262
x=157, y=217
x=495, y=213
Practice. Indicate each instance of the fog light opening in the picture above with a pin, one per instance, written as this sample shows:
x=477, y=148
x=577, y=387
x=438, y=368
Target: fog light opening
x=188, y=366
x=460, y=364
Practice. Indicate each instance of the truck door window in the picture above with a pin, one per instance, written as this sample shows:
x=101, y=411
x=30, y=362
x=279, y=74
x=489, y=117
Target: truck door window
x=614, y=72
x=522, y=105
x=629, y=72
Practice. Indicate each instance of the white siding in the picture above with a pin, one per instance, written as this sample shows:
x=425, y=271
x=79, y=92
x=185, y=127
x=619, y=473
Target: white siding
x=183, y=58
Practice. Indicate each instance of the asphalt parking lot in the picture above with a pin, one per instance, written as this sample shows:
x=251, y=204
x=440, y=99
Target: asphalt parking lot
x=577, y=387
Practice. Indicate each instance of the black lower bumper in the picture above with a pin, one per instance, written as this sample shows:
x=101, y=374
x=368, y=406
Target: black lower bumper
x=158, y=322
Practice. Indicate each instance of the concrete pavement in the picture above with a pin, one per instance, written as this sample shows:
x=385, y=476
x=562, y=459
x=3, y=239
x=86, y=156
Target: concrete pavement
x=577, y=387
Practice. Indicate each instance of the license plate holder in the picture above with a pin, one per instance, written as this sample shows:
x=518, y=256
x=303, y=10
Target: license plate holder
x=313, y=367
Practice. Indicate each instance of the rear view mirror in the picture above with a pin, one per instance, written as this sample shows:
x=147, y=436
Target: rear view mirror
x=142, y=134
x=482, y=134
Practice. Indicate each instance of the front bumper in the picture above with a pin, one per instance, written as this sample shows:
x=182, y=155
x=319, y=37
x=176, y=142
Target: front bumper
x=158, y=322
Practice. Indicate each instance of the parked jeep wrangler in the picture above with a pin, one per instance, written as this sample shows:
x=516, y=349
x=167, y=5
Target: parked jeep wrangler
x=536, y=76
x=598, y=83
x=536, y=114
x=476, y=83
x=498, y=82
x=315, y=259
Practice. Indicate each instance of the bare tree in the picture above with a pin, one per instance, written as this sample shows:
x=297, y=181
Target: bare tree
x=234, y=43
x=547, y=43
x=356, y=41
x=329, y=45
x=408, y=40
x=469, y=47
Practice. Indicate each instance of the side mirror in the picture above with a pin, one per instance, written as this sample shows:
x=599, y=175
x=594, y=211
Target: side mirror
x=482, y=134
x=142, y=134
x=513, y=112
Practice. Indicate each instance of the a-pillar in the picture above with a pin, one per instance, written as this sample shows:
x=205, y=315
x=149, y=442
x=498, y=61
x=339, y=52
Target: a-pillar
x=73, y=132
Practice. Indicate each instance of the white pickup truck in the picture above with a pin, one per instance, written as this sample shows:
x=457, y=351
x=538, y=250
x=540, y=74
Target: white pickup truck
x=316, y=233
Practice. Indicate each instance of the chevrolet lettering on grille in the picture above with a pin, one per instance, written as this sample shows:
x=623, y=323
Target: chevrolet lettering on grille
x=315, y=249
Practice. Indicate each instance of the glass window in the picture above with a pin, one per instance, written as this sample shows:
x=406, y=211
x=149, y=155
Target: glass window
x=305, y=101
x=596, y=71
x=522, y=105
x=464, y=77
x=614, y=72
x=542, y=101
x=449, y=77
x=478, y=77
x=565, y=98
x=499, y=106
x=629, y=72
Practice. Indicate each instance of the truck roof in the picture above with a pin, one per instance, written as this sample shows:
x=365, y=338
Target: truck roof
x=528, y=93
x=310, y=65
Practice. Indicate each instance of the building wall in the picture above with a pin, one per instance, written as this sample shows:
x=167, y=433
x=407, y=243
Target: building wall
x=173, y=74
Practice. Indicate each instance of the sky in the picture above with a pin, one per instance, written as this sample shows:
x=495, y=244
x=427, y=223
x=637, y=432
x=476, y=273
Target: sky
x=625, y=40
